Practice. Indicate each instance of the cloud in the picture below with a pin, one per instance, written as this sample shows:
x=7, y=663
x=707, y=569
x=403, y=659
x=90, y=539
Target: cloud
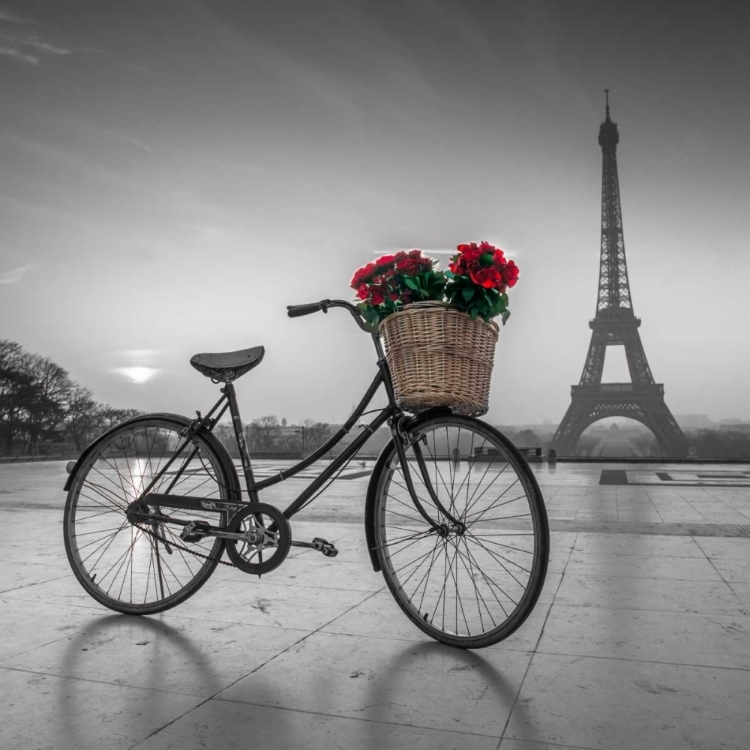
x=19, y=44
x=16, y=54
x=43, y=46
x=8, y=16
x=137, y=143
x=13, y=277
x=138, y=356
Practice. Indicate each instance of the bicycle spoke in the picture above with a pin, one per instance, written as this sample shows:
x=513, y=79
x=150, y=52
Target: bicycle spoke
x=123, y=564
x=475, y=582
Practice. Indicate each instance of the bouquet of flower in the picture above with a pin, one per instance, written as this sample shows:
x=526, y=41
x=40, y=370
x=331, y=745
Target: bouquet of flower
x=478, y=278
x=476, y=283
x=392, y=281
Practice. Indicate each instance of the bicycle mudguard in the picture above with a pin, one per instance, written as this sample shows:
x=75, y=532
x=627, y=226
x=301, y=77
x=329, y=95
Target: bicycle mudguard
x=210, y=438
x=372, y=487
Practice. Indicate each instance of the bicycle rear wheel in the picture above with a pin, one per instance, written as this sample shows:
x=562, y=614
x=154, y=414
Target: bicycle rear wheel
x=472, y=584
x=145, y=567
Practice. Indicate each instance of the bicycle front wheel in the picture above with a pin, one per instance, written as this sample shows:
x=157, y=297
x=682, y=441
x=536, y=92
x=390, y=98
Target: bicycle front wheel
x=472, y=583
x=143, y=567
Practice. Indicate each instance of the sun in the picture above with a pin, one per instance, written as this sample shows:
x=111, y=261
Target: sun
x=137, y=374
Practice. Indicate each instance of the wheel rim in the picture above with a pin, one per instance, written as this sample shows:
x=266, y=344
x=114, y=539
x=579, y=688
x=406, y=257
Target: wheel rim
x=125, y=566
x=463, y=584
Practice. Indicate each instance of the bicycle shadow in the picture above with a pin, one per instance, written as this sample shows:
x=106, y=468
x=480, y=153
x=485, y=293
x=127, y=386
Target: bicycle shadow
x=176, y=657
x=385, y=686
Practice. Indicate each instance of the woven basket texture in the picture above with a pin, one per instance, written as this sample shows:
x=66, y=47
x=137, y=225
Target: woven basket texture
x=439, y=356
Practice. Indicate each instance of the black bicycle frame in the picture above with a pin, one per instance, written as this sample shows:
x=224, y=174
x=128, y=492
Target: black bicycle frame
x=253, y=487
x=391, y=413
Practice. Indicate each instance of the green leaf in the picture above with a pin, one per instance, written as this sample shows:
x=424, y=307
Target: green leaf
x=411, y=283
x=468, y=292
x=505, y=316
x=487, y=258
x=372, y=319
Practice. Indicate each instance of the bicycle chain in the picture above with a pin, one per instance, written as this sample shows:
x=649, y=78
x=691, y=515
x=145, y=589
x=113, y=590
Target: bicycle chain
x=185, y=549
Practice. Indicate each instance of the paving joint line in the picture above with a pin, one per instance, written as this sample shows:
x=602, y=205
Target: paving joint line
x=251, y=672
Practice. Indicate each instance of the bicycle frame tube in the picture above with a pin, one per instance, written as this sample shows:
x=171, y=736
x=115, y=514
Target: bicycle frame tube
x=234, y=410
x=341, y=459
x=335, y=438
x=387, y=414
x=203, y=421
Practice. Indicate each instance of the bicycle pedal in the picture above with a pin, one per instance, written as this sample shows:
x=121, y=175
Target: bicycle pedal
x=324, y=546
x=195, y=531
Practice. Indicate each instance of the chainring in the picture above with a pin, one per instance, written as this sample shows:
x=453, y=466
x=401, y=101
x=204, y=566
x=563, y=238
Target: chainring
x=269, y=538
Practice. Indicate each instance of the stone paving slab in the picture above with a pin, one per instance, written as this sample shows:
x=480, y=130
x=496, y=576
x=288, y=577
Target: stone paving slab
x=624, y=705
x=227, y=725
x=640, y=638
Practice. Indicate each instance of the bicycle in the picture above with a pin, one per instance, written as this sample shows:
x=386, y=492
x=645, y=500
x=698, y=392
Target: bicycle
x=454, y=517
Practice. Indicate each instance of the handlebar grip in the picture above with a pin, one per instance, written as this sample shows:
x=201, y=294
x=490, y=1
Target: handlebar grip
x=297, y=311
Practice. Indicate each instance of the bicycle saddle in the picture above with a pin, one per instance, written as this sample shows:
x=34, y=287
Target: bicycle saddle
x=227, y=366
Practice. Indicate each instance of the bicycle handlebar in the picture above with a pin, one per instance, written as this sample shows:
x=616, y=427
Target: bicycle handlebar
x=296, y=311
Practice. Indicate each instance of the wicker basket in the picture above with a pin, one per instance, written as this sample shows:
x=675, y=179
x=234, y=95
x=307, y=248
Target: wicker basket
x=439, y=356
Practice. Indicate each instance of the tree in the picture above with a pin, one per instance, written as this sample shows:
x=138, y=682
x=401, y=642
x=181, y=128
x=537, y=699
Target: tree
x=40, y=403
x=49, y=395
x=84, y=417
x=261, y=434
x=34, y=393
x=14, y=381
x=720, y=443
x=315, y=434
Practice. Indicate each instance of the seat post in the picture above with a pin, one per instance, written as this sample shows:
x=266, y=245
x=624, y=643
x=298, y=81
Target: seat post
x=234, y=410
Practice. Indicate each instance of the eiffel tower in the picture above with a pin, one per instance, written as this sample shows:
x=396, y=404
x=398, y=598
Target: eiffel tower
x=615, y=324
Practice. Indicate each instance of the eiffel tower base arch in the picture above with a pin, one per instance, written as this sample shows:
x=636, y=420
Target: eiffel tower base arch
x=644, y=404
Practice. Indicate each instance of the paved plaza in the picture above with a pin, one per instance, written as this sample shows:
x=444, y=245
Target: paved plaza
x=641, y=638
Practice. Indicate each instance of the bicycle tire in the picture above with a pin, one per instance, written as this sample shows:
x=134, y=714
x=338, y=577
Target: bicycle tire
x=470, y=589
x=119, y=564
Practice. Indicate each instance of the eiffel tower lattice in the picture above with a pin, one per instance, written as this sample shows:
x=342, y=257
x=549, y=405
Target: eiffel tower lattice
x=615, y=324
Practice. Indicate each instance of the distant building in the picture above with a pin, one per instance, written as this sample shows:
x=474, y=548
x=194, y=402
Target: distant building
x=694, y=421
x=734, y=425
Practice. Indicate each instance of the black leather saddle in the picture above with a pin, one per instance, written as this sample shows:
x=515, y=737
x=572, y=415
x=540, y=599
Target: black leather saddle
x=227, y=366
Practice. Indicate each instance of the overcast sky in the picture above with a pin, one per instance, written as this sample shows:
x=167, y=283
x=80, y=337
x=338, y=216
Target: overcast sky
x=175, y=173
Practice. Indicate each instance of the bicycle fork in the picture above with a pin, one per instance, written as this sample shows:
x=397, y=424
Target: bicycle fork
x=403, y=441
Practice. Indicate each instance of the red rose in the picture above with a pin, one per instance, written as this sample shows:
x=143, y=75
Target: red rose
x=409, y=266
x=377, y=298
x=510, y=273
x=472, y=254
x=498, y=257
x=363, y=292
x=486, y=277
x=361, y=275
